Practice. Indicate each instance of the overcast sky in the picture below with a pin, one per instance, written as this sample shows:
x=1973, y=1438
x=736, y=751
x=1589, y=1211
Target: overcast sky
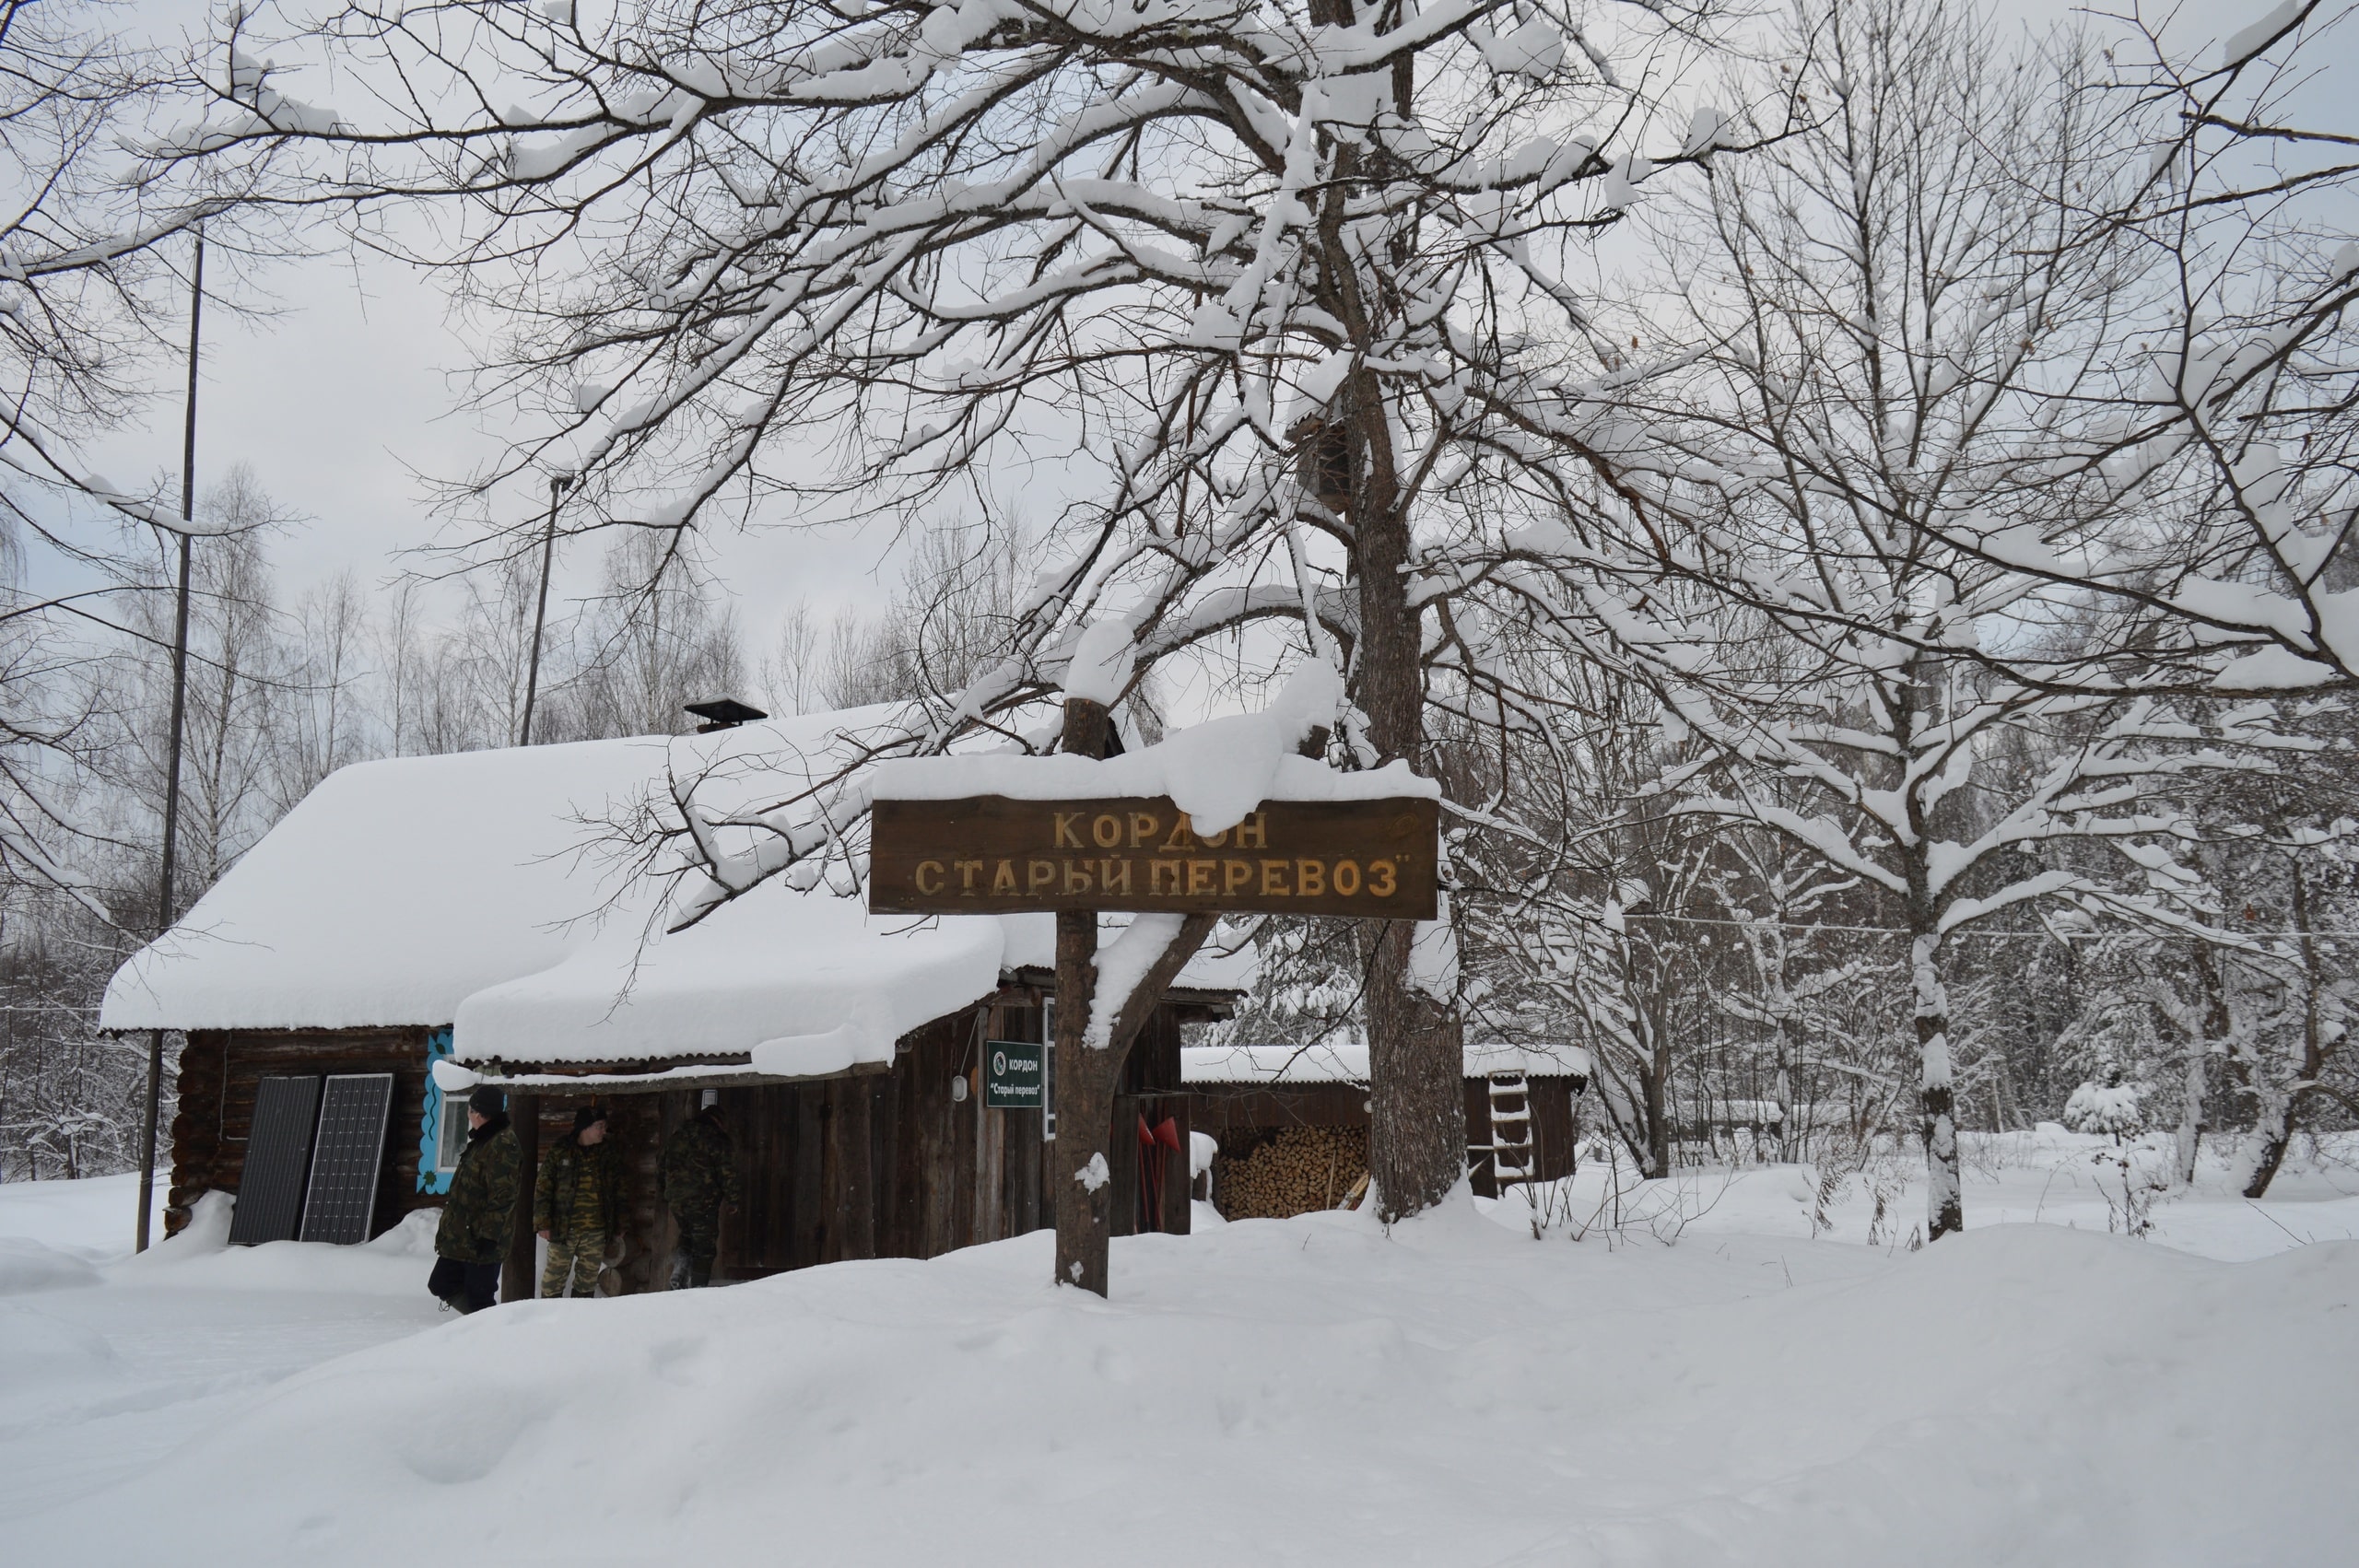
x=351, y=393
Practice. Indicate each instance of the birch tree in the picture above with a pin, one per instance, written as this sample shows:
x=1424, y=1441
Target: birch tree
x=84, y=285
x=1904, y=334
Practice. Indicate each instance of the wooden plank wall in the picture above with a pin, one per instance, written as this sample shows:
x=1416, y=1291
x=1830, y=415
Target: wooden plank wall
x=1015, y=1166
x=1220, y=1107
x=1479, y=1173
x=219, y=1072
x=876, y=1166
x=1550, y=1100
x=893, y=1166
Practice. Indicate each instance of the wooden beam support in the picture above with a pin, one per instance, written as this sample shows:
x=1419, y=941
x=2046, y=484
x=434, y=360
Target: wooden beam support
x=519, y=1280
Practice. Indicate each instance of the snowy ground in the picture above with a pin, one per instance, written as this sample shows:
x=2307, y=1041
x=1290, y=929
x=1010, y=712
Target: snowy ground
x=1309, y=1391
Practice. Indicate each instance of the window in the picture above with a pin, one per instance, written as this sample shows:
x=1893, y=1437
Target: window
x=451, y=1138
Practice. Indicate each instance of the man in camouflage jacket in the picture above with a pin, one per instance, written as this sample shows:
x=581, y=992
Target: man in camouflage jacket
x=480, y=1214
x=577, y=1206
x=699, y=1180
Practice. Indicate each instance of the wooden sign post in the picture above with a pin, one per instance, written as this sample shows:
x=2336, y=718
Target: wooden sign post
x=995, y=855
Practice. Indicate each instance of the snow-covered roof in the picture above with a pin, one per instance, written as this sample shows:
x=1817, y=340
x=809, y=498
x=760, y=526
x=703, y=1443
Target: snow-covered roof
x=471, y=890
x=1217, y=771
x=1346, y=1062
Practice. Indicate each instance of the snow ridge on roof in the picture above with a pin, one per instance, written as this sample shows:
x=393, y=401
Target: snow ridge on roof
x=1346, y=1062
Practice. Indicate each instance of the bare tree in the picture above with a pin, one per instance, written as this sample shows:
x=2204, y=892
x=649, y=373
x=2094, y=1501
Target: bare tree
x=398, y=639
x=1904, y=333
x=93, y=306
x=1257, y=269
x=652, y=642
x=789, y=674
x=237, y=684
x=318, y=720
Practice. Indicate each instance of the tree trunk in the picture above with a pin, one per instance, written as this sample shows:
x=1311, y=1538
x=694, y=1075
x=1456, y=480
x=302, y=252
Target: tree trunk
x=1081, y=1157
x=1660, y=1132
x=1416, y=1061
x=1936, y=1086
x=1417, y=1054
x=1944, y=1199
x=1085, y=1106
x=2188, y=1140
x=2214, y=1028
x=2272, y=1131
x=1790, y=1051
x=2279, y=1108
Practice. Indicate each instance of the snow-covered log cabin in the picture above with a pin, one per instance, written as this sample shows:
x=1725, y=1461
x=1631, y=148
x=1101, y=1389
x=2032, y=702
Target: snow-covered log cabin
x=1290, y=1122
x=470, y=910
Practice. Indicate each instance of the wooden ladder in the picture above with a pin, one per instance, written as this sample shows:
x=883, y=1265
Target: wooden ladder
x=1511, y=1127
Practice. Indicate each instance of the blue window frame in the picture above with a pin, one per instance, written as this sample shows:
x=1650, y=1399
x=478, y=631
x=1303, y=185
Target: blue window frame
x=438, y=1154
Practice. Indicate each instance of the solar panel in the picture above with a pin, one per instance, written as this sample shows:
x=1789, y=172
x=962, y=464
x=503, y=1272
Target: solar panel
x=278, y=1159
x=345, y=1160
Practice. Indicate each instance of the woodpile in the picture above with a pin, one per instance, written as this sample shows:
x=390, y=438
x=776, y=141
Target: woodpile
x=1272, y=1173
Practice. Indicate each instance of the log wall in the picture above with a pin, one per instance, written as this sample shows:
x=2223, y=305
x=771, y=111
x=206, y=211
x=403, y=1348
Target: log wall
x=881, y=1166
x=220, y=1072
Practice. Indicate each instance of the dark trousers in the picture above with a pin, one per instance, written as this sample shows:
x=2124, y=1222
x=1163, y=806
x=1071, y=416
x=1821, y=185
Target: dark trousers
x=700, y=1242
x=469, y=1287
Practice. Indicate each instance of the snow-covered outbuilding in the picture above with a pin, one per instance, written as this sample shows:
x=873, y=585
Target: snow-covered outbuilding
x=472, y=911
x=1291, y=1121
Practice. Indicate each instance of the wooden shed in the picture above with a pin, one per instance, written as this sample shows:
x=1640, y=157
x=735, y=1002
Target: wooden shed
x=1291, y=1122
x=898, y=1162
x=426, y=924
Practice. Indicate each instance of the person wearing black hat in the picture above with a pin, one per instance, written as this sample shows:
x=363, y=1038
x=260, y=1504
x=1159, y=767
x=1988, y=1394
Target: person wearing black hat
x=577, y=1206
x=478, y=1214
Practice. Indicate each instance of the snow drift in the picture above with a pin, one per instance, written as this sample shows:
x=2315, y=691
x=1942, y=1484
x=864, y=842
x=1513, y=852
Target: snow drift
x=1314, y=1391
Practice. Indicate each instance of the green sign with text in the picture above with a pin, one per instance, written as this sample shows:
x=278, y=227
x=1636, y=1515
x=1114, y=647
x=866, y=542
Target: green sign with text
x=1012, y=1075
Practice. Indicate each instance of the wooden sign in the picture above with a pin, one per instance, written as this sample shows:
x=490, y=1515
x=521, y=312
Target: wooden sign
x=989, y=854
x=1012, y=1075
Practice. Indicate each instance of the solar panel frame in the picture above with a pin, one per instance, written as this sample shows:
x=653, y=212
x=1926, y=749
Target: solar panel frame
x=348, y=1154
x=279, y=1160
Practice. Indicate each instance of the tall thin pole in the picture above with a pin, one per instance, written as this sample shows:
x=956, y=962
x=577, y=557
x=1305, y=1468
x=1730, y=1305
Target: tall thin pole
x=557, y=483
x=179, y=719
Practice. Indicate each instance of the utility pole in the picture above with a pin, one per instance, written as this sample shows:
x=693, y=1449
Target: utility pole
x=180, y=717
x=558, y=484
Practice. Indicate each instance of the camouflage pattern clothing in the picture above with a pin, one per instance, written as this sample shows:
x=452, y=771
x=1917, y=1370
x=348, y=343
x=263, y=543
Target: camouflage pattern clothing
x=573, y=1266
x=700, y=1177
x=580, y=1193
x=578, y=1201
x=479, y=1216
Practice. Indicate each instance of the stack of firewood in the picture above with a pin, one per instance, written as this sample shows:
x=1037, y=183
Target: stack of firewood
x=1271, y=1174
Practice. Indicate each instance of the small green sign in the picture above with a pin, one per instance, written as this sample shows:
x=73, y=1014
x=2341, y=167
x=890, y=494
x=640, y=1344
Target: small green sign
x=1012, y=1075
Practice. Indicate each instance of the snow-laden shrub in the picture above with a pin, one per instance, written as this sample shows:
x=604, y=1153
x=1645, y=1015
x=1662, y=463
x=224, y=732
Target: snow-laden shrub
x=2110, y=1105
